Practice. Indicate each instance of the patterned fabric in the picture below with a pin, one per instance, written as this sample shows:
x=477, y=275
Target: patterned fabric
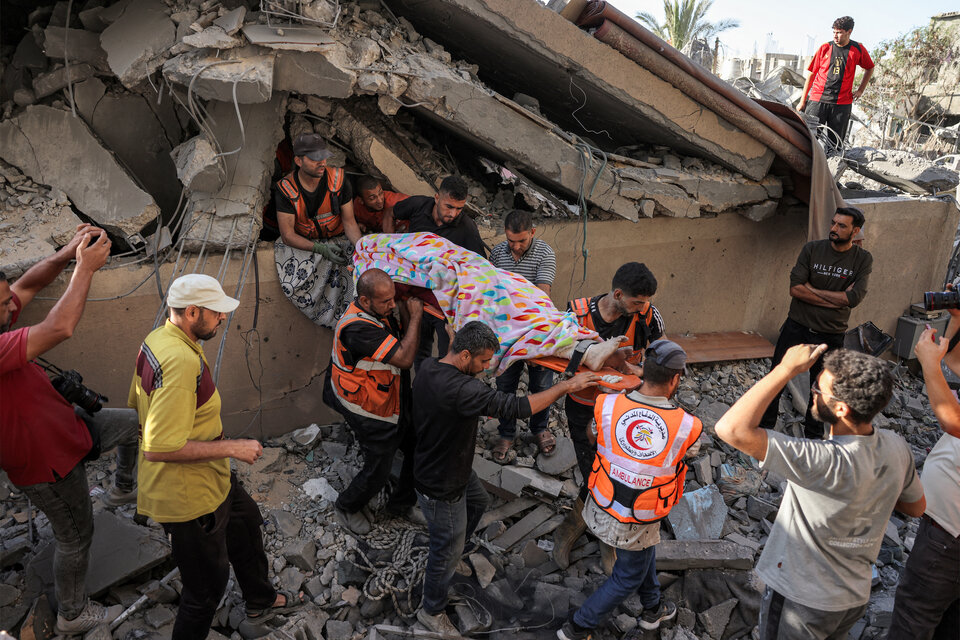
x=321, y=289
x=469, y=288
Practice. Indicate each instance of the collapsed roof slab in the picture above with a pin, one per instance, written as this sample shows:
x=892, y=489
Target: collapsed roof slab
x=54, y=148
x=521, y=46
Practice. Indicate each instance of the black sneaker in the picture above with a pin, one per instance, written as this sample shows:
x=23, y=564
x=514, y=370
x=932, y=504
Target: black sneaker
x=572, y=631
x=651, y=618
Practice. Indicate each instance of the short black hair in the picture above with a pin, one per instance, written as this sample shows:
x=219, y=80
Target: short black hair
x=635, y=279
x=475, y=337
x=854, y=213
x=656, y=373
x=455, y=187
x=844, y=24
x=367, y=183
x=518, y=221
x=860, y=381
x=369, y=280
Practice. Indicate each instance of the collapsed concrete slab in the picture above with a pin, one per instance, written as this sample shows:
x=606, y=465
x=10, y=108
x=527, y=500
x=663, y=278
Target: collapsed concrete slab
x=47, y=84
x=78, y=45
x=901, y=169
x=231, y=217
x=137, y=42
x=247, y=70
x=198, y=166
x=54, y=148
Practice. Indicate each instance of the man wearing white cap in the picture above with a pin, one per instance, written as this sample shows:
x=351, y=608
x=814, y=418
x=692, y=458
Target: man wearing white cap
x=184, y=475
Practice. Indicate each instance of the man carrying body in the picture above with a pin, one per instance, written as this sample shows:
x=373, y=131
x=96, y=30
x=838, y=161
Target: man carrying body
x=829, y=279
x=368, y=383
x=44, y=440
x=448, y=400
x=625, y=311
x=372, y=202
x=832, y=71
x=185, y=480
x=533, y=259
x=840, y=492
x=927, y=604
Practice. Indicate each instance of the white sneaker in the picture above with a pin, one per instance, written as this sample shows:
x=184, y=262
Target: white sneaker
x=93, y=614
x=439, y=623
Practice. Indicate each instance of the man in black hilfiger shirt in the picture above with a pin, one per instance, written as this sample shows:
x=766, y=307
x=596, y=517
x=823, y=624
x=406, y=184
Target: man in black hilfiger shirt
x=829, y=279
x=830, y=82
x=448, y=400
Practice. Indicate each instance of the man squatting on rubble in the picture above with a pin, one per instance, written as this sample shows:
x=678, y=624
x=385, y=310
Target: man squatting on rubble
x=830, y=83
x=531, y=258
x=44, y=439
x=448, y=400
x=185, y=480
x=927, y=604
x=443, y=215
x=828, y=280
x=637, y=478
x=368, y=382
x=625, y=311
x=839, y=497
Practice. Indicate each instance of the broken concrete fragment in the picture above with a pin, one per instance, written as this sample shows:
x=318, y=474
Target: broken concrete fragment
x=77, y=45
x=52, y=147
x=716, y=618
x=198, y=167
x=372, y=83
x=760, y=212
x=213, y=77
x=563, y=458
x=301, y=553
x=484, y=570
x=288, y=525
x=231, y=21
x=901, y=169
x=699, y=515
x=514, y=479
x=49, y=83
x=314, y=73
x=679, y=555
x=137, y=42
x=320, y=488
x=212, y=37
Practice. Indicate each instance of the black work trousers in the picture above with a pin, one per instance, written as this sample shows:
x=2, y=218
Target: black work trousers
x=579, y=417
x=378, y=458
x=204, y=549
x=834, y=116
x=793, y=333
x=431, y=325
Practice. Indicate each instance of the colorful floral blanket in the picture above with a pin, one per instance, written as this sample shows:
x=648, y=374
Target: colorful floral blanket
x=468, y=288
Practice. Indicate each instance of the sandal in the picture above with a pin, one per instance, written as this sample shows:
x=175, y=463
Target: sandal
x=502, y=451
x=546, y=442
x=292, y=601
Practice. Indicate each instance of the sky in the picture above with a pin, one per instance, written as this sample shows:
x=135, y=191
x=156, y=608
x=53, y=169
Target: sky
x=800, y=28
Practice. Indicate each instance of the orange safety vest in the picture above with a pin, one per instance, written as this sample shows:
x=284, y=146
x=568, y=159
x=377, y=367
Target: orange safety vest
x=638, y=473
x=371, y=387
x=322, y=223
x=581, y=308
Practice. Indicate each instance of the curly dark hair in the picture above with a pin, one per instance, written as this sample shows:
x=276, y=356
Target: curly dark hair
x=844, y=24
x=635, y=279
x=860, y=381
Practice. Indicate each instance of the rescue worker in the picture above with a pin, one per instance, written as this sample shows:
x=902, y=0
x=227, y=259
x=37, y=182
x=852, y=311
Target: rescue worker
x=368, y=382
x=625, y=311
x=636, y=478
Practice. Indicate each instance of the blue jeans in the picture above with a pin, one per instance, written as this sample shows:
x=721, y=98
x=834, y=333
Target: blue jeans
x=634, y=571
x=450, y=524
x=540, y=379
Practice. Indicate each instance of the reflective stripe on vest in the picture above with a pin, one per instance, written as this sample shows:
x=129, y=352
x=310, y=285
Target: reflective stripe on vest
x=330, y=224
x=638, y=472
x=370, y=388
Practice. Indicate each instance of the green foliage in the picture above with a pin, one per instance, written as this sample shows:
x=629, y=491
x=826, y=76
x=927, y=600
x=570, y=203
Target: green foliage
x=685, y=21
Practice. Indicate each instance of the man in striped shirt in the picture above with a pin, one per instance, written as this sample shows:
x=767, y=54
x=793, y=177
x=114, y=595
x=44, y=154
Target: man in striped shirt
x=533, y=259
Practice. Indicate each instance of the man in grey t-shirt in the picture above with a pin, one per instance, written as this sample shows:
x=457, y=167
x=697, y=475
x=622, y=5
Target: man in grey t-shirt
x=840, y=492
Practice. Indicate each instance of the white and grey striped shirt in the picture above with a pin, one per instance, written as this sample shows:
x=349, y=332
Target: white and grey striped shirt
x=538, y=264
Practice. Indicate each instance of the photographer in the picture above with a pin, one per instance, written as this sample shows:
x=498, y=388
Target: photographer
x=44, y=440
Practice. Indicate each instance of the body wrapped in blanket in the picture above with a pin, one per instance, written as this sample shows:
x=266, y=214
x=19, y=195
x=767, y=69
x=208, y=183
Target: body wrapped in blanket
x=466, y=288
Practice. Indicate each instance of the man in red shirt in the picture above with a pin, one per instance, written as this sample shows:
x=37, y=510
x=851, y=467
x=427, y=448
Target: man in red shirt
x=43, y=441
x=830, y=83
x=372, y=202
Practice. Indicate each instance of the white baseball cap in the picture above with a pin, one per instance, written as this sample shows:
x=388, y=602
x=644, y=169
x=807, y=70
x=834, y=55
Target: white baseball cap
x=201, y=291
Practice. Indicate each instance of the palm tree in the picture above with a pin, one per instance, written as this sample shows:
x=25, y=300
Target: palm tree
x=684, y=21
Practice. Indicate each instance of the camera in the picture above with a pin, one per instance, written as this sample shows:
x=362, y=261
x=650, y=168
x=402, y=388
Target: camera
x=69, y=384
x=937, y=300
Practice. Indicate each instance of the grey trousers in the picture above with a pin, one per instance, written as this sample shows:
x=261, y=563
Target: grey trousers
x=783, y=619
x=66, y=503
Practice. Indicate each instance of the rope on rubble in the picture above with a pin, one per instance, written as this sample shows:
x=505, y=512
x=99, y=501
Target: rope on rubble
x=397, y=577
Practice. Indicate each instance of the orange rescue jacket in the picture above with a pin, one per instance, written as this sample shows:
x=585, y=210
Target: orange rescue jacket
x=323, y=223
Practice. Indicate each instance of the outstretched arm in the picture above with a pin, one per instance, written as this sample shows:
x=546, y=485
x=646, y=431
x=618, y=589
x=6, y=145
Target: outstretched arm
x=44, y=272
x=930, y=353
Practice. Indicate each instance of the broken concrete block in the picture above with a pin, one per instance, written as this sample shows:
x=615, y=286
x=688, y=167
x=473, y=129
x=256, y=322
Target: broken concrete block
x=291, y=579
x=487, y=470
x=523, y=527
x=365, y=51
x=212, y=37
x=198, y=166
x=314, y=73
x=372, y=83
x=760, y=212
x=86, y=95
x=52, y=147
x=699, y=515
x=49, y=83
x=76, y=44
x=8, y=594
x=484, y=570
x=320, y=488
x=137, y=42
x=338, y=630
x=301, y=553
x=743, y=541
x=288, y=524
x=710, y=412
x=159, y=616
x=533, y=556
x=680, y=555
x=902, y=169
x=514, y=479
x=760, y=509
x=703, y=470
x=213, y=77
x=716, y=618
x=231, y=21
x=562, y=459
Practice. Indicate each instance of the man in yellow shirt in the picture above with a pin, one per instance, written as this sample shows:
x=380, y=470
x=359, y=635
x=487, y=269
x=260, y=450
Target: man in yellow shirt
x=184, y=466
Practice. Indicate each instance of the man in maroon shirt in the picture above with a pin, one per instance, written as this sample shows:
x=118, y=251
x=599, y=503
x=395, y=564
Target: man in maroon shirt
x=43, y=441
x=830, y=83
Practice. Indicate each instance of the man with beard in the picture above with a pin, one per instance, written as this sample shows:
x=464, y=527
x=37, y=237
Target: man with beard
x=372, y=202
x=625, y=311
x=839, y=496
x=185, y=480
x=368, y=382
x=829, y=279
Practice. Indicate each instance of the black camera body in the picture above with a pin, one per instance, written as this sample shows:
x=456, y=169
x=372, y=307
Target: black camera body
x=937, y=300
x=69, y=384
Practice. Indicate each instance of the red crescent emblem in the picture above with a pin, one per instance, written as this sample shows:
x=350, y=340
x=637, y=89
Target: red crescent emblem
x=645, y=433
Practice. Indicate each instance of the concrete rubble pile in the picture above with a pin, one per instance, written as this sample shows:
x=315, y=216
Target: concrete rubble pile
x=705, y=559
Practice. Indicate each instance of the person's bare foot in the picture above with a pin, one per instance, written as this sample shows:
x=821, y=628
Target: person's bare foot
x=598, y=353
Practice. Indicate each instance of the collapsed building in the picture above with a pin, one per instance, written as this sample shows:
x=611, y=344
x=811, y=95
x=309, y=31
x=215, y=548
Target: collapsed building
x=160, y=120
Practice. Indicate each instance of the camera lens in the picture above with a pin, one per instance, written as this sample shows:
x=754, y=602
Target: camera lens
x=937, y=300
